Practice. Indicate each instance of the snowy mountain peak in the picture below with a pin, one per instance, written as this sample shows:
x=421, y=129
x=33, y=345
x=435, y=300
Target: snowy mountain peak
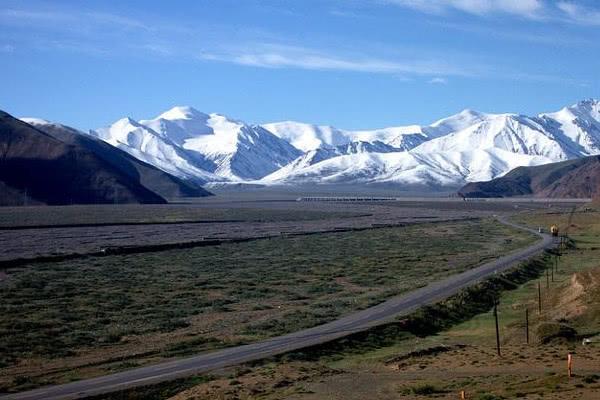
x=126, y=121
x=192, y=141
x=586, y=109
x=467, y=146
x=469, y=113
x=459, y=121
x=588, y=104
x=35, y=121
x=307, y=137
x=182, y=112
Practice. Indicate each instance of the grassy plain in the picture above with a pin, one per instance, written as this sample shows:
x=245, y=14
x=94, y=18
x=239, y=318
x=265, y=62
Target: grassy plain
x=91, y=316
x=464, y=357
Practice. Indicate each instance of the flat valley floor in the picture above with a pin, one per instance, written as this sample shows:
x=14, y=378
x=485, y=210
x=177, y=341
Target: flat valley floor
x=271, y=265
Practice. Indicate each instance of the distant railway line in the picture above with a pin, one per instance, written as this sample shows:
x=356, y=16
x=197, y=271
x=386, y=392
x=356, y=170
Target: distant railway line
x=347, y=198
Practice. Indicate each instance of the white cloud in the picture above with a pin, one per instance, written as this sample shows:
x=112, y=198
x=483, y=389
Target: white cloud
x=277, y=56
x=7, y=48
x=438, y=81
x=105, y=35
x=524, y=8
x=579, y=14
x=75, y=18
x=115, y=19
x=546, y=37
x=283, y=56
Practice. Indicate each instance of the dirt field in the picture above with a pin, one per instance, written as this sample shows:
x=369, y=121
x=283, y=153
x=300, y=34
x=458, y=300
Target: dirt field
x=213, y=218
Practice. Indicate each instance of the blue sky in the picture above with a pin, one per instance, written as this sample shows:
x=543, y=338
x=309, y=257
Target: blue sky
x=349, y=63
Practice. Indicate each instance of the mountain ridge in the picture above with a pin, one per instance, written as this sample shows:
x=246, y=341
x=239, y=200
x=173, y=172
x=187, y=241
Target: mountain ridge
x=37, y=168
x=464, y=147
x=158, y=181
x=578, y=178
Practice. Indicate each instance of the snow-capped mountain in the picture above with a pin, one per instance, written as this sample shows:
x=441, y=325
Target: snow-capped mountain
x=465, y=147
x=156, y=149
x=128, y=170
x=307, y=137
x=210, y=147
x=406, y=168
x=321, y=154
x=577, y=126
x=513, y=133
x=469, y=146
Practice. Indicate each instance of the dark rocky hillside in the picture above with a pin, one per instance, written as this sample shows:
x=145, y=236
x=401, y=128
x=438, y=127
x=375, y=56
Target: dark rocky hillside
x=578, y=178
x=37, y=168
x=160, y=182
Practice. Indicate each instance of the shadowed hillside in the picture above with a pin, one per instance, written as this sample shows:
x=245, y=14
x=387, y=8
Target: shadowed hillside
x=38, y=168
x=578, y=178
x=158, y=181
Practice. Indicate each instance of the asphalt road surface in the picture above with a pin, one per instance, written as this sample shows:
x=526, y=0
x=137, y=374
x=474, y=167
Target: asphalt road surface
x=359, y=321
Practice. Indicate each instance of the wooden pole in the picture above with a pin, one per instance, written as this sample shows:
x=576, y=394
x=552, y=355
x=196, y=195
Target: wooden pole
x=552, y=274
x=570, y=365
x=497, y=328
x=462, y=395
x=547, y=279
x=527, y=324
x=539, y=298
x=561, y=243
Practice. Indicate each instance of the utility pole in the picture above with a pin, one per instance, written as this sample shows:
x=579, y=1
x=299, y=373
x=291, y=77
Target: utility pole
x=497, y=328
x=547, y=279
x=552, y=274
x=527, y=324
x=539, y=298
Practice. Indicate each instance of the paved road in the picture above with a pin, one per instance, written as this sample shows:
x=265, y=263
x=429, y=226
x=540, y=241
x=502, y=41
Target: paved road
x=358, y=321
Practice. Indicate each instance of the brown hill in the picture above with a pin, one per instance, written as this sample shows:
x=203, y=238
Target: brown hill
x=160, y=182
x=578, y=178
x=38, y=168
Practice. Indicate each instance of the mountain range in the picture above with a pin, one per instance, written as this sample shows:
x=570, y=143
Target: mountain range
x=47, y=163
x=467, y=147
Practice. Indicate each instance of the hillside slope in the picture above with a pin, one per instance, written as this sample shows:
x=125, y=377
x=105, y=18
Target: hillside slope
x=158, y=181
x=579, y=178
x=206, y=147
x=37, y=167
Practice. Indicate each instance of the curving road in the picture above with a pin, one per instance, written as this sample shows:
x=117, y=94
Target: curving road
x=358, y=321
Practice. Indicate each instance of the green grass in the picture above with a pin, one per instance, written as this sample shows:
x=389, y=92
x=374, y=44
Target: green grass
x=480, y=330
x=212, y=297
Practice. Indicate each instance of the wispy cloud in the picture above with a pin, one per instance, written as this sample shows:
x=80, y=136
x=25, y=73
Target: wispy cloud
x=544, y=37
x=539, y=10
x=579, y=14
x=118, y=20
x=438, y=81
x=103, y=34
x=278, y=56
x=267, y=55
x=7, y=48
x=89, y=19
x=524, y=8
